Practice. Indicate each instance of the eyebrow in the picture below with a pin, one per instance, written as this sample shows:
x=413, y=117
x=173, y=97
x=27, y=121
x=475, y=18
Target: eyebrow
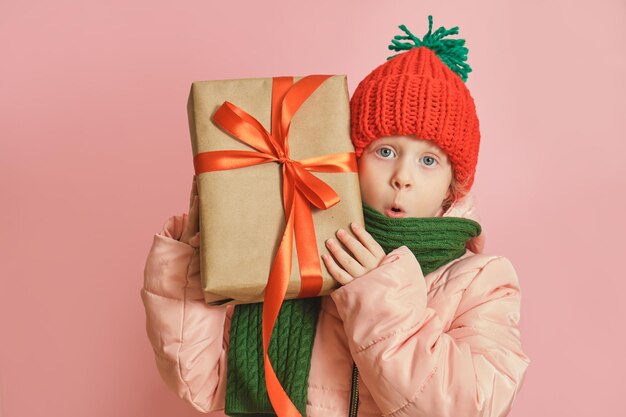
x=430, y=147
x=436, y=150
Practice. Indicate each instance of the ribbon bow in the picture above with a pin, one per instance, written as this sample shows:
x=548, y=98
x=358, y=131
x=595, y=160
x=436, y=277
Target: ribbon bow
x=300, y=188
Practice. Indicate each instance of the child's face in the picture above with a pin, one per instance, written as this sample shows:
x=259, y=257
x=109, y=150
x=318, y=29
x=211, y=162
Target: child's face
x=412, y=173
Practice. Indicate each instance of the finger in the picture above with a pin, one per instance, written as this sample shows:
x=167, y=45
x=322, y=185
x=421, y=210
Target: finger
x=336, y=272
x=194, y=218
x=191, y=225
x=346, y=261
x=360, y=252
x=370, y=243
x=194, y=191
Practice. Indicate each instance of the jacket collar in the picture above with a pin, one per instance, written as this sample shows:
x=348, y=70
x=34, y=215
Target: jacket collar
x=466, y=208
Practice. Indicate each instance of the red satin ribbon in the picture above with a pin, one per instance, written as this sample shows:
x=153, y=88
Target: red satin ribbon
x=300, y=188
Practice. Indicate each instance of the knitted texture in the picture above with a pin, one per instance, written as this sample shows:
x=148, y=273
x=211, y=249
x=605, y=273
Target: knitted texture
x=290, y=352
x=434, y=241
x=421, y=92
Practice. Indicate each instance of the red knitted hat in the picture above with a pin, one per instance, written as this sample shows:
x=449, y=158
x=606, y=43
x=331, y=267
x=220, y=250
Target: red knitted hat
x=421, y=92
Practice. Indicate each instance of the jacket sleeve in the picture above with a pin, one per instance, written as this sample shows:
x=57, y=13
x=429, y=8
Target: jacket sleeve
x=189, y=337
x=411, y=364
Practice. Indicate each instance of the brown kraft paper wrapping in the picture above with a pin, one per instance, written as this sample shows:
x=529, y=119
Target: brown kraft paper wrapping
x=242, y=218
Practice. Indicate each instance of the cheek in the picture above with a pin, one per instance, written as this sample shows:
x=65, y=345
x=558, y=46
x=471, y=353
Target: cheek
x=370, y=189
x=366, y=176
x=364, y=184
x=442, y=188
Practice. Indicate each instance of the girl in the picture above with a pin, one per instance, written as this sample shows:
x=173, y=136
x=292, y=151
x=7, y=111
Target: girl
x=423, y=323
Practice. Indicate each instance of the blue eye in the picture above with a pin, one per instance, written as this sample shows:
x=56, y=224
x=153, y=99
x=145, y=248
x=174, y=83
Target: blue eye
x=429, y=158
x=385, y=152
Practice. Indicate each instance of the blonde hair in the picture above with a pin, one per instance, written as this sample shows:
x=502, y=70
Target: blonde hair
x=456, y=191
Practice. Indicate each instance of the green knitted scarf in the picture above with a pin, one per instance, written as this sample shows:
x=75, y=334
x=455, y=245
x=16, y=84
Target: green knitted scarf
x=434, y=241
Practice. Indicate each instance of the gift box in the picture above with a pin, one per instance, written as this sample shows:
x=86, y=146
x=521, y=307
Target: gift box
x=267, y=150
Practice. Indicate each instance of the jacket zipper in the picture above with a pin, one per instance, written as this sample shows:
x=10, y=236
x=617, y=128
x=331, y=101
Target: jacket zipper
x=354, y=392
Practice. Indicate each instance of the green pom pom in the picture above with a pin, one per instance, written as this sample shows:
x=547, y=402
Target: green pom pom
x=451, y=51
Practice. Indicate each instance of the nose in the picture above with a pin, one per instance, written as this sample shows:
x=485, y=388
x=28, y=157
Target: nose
x=401, y=177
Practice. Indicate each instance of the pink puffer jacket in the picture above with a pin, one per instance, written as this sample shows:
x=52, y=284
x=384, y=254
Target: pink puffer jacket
x=446, y=344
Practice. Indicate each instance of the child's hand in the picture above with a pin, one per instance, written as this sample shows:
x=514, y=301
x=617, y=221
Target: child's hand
x=192, y=226
x=367, y=254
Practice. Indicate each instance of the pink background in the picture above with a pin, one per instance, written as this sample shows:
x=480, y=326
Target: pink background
x=96, y=155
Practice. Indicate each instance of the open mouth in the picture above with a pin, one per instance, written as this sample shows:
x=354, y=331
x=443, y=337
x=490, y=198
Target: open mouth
x=395, y=211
